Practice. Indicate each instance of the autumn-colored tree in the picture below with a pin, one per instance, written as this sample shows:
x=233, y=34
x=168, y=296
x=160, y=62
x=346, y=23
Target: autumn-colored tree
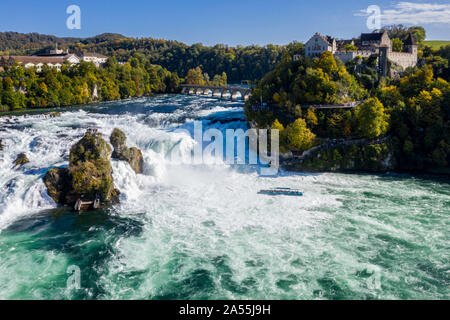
x=413, y=84
x=327, y=63
x=195, y=76
x=390, y=96
x=311, y=118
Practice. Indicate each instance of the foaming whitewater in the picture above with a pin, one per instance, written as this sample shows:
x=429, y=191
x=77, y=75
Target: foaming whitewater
x=184, y=231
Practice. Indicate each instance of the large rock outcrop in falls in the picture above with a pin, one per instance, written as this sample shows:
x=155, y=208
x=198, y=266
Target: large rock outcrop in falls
x=121, y=152
x=89, y=175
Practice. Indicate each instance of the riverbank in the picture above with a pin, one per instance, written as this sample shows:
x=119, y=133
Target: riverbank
x=86, y=106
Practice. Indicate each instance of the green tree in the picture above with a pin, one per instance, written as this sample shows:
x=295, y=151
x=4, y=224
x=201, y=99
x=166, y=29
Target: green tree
x=372, y=119
x=397, y=45
x=298, y=136
x=350, y=47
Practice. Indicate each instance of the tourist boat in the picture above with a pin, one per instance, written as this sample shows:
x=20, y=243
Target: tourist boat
x=282, y=192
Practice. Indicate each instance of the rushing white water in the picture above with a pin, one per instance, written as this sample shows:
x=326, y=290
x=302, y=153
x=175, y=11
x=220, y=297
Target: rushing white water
x=203, y=231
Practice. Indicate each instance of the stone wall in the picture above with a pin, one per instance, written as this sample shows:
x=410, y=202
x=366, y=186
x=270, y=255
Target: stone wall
x=345, y=56
x=403, y=59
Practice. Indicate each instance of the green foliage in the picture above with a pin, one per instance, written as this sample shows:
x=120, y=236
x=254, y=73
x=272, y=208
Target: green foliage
x=90, y=167
x=118, y=138
x=83, y=83
x=372, y=119
x=239, y=63
x=90, y=148
x=401, y=32
x=298, y=136
x=90, y=178
x=350, y=47
x=397, y=45
x=420, y=120
x=365, y=71
x=351, y=158
x=327, y=63
x=438, y=60
x=196, y=76
x=306, y=82
x=311, y=118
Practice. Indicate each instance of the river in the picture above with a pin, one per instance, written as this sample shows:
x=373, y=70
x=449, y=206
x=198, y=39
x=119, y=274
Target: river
x=185, y=231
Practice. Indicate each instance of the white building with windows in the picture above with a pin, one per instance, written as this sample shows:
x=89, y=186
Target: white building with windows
x=38, y=62
x=318, y=44
x=95, y=58
x=55, y=60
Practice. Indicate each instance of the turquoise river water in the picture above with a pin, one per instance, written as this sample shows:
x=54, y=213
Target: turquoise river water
x=186, y=231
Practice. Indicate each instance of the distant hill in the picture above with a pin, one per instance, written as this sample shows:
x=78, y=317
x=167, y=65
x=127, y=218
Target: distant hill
x=239, y=63
x=30, y=43
x=436, y=44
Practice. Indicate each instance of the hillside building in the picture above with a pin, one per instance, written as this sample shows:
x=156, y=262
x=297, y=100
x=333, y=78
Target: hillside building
x=368, y=45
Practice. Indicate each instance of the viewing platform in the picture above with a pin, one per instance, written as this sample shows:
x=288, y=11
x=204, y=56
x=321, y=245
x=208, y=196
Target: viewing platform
x=349, y=105
x=226, y=92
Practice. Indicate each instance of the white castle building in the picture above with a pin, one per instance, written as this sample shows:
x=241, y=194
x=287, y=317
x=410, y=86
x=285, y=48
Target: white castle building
x=55, y=59
x=368, y=45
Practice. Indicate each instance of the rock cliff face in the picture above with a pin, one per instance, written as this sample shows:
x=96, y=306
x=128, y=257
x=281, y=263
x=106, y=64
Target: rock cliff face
x=89, y=175
x=58, y=182
x=121, y=152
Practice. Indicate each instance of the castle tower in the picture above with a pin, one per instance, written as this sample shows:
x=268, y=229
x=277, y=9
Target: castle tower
x=411, y=45
x=383, y=60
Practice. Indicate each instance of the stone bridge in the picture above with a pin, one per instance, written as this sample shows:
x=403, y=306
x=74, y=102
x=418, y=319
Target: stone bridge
x=234, y=93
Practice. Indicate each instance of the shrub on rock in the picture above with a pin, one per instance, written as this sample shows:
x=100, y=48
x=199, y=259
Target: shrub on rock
x=89, y=175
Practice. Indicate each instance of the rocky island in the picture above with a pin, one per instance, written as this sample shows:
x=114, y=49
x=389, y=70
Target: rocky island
x=89, y=174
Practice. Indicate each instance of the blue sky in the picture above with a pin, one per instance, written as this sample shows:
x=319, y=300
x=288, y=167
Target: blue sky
x=230, y=22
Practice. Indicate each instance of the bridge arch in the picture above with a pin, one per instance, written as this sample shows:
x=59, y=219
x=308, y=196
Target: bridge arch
x=236, y=95
x=226, y=92
x=206, y=91
x=246, y=95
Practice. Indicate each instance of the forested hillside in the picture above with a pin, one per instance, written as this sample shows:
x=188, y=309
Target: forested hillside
x=412, y=113
x=81, y=84
x=239, y=63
